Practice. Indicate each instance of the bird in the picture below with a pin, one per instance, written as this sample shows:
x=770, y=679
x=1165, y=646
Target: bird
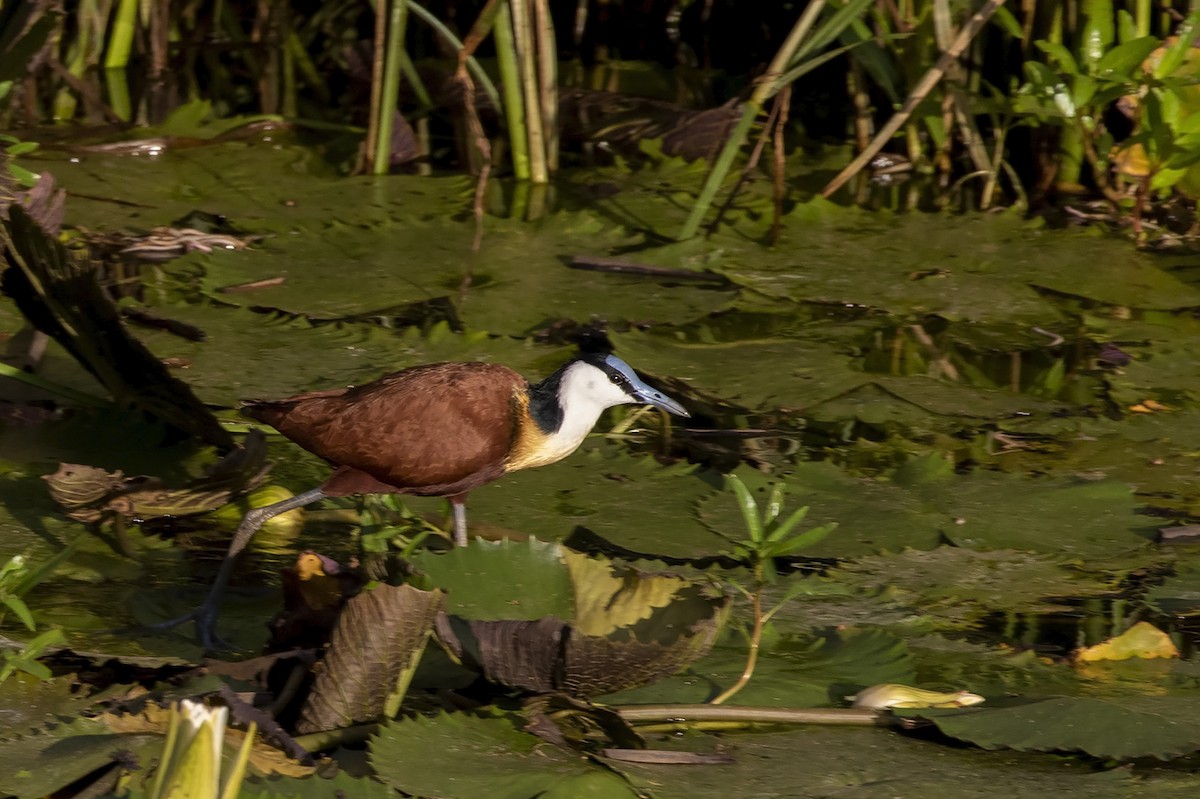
x=438, y=430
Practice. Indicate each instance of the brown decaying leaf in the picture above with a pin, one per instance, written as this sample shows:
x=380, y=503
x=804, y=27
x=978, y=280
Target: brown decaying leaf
x=89, y=494
x=551, y=655
x=378, y=638
x=57, y=291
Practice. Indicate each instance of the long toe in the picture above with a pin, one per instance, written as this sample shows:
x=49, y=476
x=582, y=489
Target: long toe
x=206, y=629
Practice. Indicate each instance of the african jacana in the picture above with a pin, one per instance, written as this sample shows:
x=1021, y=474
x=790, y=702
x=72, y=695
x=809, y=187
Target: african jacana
x=437, y=430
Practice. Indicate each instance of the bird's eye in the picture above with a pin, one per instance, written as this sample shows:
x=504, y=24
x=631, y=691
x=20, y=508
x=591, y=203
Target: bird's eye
x=617, y=378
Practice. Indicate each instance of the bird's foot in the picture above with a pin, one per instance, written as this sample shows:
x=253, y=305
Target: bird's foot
x=205, y=618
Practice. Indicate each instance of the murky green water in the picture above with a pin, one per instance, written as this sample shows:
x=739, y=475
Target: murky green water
x=1000, y=416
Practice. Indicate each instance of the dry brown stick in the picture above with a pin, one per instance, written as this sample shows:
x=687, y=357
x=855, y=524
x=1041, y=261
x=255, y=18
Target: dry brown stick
x=470, y=44
x=924, y=86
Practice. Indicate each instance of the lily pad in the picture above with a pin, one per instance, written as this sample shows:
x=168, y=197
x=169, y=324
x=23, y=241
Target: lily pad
x=961, y=585
x=795, y=672
x=868, y=764
x=36, y=765
x=872, y=515
x=1161, y=727
x=586, y=625
x=459, y=756
x=632, y=501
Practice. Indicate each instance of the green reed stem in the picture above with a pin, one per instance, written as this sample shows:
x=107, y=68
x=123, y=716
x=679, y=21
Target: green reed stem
x=390, y=97
x=766, y=87
x=547, y=59
x=120, y=39
x=510, y=81
x=477, y=72
x=523, y=34
x=54, y=388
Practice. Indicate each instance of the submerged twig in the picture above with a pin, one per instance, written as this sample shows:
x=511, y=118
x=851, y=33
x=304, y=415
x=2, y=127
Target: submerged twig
x=619, y=266
x=682, y=717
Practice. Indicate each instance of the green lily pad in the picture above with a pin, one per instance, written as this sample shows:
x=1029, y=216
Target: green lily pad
x=915, y=265
x=872, y=515
x=502, y=580
x=631, y=501
x=36, y=765
x=581, y=625
x=27, y=703
x=460, y=756
x=1160, y=727
x=960, y=586
x=795, y=672
x=853, y=763
x=315, y=787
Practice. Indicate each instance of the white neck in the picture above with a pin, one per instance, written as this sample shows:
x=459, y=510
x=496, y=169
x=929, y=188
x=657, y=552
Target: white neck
x=584, y=393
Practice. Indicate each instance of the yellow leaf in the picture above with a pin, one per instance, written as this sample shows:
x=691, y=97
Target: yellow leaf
x=606, y=601
x=1142, y=640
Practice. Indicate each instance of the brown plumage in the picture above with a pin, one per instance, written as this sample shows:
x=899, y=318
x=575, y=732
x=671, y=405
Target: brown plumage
x=403, y=434
x=436, y=430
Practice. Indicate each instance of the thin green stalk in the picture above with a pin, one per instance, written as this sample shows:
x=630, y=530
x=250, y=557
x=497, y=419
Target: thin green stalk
x=390, y=96
x=117, y=83
x=1142, y=17
x=755, y=644
x=686, y=715
x=524, y=37
x=120, y=40
x=477, y=72
x=737, y=137
x=304, y=63
x=290, y=99
x=547, y=58
x=510, y=80
x=380, y=44
x=414, y=79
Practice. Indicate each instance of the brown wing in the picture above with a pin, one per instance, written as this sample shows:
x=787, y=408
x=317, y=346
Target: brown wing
x=435, y=427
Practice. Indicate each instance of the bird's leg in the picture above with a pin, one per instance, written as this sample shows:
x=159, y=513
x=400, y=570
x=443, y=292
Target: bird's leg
x=459, y=505
x=205, y=616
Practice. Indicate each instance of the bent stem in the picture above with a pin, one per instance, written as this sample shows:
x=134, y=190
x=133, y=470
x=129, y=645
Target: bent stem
x=755, y=641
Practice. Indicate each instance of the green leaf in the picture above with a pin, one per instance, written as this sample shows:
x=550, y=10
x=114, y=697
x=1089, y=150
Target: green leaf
x=24, y=176
x=1126, y=26
x=1120, y=62
x=1178, y=50
x=808, y=671
x=21, y=609
x=789, y=524
x=748, y=507
x=830, y=28
x=47, y=567
x=774, y=505
x=32, y=667
x=1004, y=19
x=803, y=541
x=1083, y=90
x=21, y=148
x=1097, y=31
x=1060, y=55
